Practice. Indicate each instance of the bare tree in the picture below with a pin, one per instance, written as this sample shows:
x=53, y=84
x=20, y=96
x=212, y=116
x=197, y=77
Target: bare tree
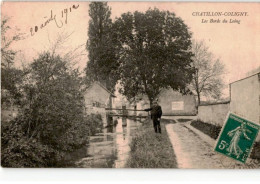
x=60, y=45
x=7, y=53
x=10, y=76
x=207, y=80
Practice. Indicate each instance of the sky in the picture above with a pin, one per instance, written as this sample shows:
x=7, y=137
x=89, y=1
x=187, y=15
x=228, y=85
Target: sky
x=237, y=45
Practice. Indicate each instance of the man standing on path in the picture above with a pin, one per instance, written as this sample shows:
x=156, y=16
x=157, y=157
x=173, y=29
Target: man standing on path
x=156, y=113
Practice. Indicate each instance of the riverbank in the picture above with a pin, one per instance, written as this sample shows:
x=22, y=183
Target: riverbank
x=151, y=150
x=19, y=150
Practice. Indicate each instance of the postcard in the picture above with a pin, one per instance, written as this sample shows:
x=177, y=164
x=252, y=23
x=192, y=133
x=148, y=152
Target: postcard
x=130, y=85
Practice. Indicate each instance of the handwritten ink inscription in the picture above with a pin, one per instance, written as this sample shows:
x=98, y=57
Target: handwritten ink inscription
x=59, y=22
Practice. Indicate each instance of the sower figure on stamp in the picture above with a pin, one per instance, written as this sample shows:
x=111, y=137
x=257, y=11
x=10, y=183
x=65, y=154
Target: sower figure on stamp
x=237, y=134
x=156, y=113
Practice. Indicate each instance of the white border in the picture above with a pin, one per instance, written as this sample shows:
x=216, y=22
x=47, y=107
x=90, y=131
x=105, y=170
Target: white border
x=123, y=176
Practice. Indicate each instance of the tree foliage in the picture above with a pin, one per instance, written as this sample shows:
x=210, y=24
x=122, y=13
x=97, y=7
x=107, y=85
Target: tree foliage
x=52, y=119
x=154, y=52
x=102, y=64
x=10, y=79
x=7, y=53
x=55, y=98
x=207, y=80
x=10, y=76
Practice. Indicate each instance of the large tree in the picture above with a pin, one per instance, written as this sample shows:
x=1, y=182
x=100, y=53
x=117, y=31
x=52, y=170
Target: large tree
x=102, y=63
x=207, y=80
x=52, y=119
x=154, y=49
x=52, y=98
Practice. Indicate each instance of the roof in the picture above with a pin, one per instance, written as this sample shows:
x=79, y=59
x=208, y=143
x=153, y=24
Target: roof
x=188, y=91
x=206, y=103
x=99, y=84
x=246, y=77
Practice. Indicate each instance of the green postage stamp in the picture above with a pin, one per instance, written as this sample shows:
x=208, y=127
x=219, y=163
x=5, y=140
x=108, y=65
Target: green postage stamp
x=237, y=137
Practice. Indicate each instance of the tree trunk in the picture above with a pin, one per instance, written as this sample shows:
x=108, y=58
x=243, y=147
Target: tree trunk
x=198, y=98
x=150, y=100
x=151, y=103
x=197, y=86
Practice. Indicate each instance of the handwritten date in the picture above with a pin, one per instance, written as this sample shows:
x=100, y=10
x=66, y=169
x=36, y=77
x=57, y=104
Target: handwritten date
x=59, y=22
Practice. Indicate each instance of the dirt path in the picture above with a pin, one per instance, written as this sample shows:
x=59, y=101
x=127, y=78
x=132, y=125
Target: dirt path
x=193, y=152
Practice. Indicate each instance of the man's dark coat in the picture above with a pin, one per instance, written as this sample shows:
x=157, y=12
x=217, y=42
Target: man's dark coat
x=156, y=111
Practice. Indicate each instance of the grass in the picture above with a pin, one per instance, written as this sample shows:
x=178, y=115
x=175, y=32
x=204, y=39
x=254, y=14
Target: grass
x=207, y=128
x=151, y=150
x=183, y=120
x=167, y=121
x=256, y=151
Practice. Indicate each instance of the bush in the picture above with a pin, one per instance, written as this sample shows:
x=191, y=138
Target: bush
x=20, y=151
x=184, y=120
x=17, y=150
x=52, y=121
x=209, y=129
x=28, y=153
x=95, y=123
x=256, y=151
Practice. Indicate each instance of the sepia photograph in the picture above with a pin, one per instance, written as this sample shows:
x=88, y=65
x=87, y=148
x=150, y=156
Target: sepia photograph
x=130, y=85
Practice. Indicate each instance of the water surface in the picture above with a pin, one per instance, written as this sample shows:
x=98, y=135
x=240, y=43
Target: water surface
x=111, y=148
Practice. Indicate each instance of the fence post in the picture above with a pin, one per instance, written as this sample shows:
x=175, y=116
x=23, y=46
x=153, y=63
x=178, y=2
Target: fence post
x=124, y=111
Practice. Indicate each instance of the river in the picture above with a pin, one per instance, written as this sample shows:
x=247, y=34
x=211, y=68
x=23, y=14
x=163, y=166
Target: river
x=110, y=148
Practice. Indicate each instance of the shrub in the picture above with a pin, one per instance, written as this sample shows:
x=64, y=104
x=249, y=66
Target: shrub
x=52, y=119
x=207, y=128
x=95, y=123
x=17, y=150
x=184, y=120
x=256, y=151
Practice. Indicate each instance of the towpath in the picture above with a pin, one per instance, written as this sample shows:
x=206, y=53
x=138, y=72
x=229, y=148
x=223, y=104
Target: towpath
x=194, y=150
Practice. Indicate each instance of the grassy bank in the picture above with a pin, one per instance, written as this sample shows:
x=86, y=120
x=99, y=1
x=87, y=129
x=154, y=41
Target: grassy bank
x=181, y=120
x=18, y=150
x=151, y=150
x=207, y=128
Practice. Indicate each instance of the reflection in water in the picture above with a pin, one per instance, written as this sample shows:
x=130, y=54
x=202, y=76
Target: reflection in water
x=122, y=140
x=111, y=147
x=124, y=123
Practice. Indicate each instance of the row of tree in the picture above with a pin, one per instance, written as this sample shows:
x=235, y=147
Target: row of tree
x=147, y=52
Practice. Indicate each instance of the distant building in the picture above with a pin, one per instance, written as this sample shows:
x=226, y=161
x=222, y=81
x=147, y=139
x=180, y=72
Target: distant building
x=175, y=103
x=245, y=97
x=244, y=100
x=172, y=103
x=97, y=98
